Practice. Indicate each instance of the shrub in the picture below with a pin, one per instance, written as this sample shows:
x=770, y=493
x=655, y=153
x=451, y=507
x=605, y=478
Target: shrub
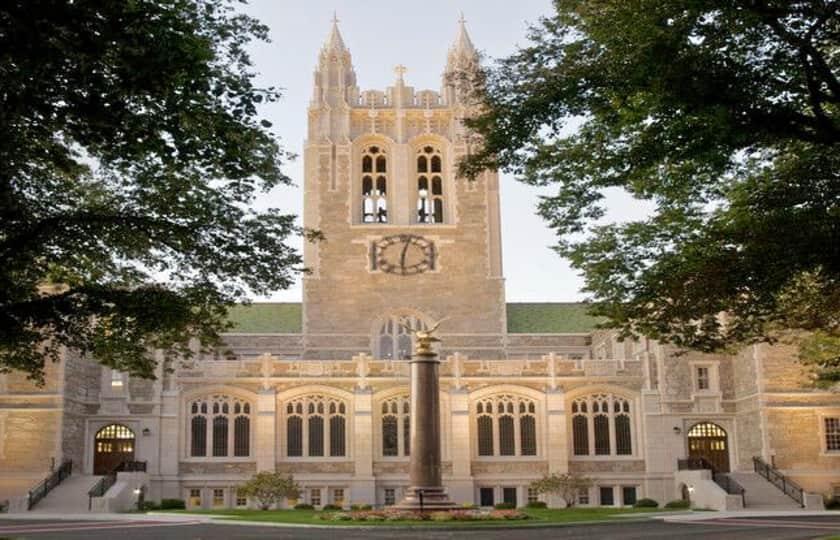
x=360, y=507
x=504, y=506
x=304, y=506
x=679, y=503
x=832, y=503
x=646, y=503
x=330, y=507
x=537, y=504
x=270, y=488
x=172, y=504
x=566, y=485
x=441, y=516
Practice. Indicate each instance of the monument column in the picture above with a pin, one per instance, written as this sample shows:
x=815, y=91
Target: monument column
x=426, y=490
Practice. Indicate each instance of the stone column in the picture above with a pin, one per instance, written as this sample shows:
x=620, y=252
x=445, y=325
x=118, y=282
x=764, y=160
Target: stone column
x=266, y=430
x=424, y=467
x=363, y=488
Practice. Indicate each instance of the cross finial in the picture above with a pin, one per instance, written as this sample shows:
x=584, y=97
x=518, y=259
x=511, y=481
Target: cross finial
x=335, y=17
x=461, y=19
x=400, y=70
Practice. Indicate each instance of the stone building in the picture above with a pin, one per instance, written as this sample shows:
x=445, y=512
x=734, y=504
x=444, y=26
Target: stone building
x=320, y=389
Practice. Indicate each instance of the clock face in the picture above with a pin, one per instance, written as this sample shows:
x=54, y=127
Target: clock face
x=404, y=254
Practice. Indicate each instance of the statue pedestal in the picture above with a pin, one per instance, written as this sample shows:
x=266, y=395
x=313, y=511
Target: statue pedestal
x=426, y=491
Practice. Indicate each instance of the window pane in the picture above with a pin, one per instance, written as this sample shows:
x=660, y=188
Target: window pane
x=406, y=435
x=628, y=495
x=623, y=444
x=528, y=435
x=832, y=434
x=507, y=446
x=485, y=436
x=199, y=436
x=316, y=436
x=602, y=435
x=580, y=433
x=509, y=495
x=242, y=437
x=389, y=436
x=294, y=436
x=220, y=436
x=337, y=436
x=607, y=496
x=486, y=496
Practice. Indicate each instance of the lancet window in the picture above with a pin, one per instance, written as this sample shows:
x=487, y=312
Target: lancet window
x=316, y=426
x=601, y=426
x=430, y=197
x=220, y=426
x=506, y=426
x=394, y=341
x=374, y=185
x=396, y=427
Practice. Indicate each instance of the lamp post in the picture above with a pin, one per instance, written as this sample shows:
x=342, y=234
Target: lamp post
x=426, y=491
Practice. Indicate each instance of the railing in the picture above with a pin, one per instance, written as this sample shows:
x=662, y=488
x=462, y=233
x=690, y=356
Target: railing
x=788, y=486
x=40, y=491
x=106, y=482
x=730, y=485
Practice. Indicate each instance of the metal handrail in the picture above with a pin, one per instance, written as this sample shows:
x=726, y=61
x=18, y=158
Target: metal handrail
x=46, y=485
x=730, y=485
x=101, y=487
x=775, y=477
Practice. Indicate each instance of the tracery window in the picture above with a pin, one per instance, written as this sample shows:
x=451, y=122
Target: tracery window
x=210, y=421
x=394, y=341
x=374, y=185
x=601, y=426
x=513, y=421
x=430, y=200
x=316, y=426
x=396, y=426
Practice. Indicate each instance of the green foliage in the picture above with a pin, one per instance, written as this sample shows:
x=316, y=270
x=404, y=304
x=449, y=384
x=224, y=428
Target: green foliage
x=360, y=507
x=172, y=504
x=131, y=154
x=331, y=507
x=679, y=503
x=304, y=506
x=269, y=488
x=566, y=485
x=537, y=504
x=646, y=503
x=725, y=117
x=832, y=503
x=504, y=506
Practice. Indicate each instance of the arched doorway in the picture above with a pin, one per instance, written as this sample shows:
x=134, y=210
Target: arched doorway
x=112, y=445
x=709, y=441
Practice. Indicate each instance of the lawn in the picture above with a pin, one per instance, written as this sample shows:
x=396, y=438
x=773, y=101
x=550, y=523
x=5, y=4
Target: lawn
x=537, y=517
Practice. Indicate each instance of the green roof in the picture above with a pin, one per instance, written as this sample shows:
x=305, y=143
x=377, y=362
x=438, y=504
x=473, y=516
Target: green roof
x=549, y=318
x=523, y=318
x=267, y=318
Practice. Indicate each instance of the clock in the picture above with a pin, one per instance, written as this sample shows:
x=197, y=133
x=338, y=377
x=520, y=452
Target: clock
x=404, y=254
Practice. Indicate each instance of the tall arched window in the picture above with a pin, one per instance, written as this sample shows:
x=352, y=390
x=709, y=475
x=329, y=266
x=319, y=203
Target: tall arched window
x=316, y=426
x=210, y=420
x=374, y=185
x=430, y=200
x=396, y=426
x=394, y=341
x=601, y=426
x=513, y=418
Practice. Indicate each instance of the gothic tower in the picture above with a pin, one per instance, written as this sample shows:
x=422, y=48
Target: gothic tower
x=404, y=239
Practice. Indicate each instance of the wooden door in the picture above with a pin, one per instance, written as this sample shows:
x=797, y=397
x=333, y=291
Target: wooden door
x=112, y=445
x=710, y=442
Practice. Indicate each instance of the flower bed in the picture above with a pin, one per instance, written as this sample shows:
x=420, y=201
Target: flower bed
x=440, y=516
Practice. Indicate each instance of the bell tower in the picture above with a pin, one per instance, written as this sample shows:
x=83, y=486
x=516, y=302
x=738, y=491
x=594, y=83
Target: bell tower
x=404, y=238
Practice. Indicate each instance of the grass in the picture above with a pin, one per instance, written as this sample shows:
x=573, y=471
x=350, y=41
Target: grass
x=537, y=516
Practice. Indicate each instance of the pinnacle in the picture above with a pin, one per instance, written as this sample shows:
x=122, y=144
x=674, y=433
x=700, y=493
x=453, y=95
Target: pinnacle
x=334, y=40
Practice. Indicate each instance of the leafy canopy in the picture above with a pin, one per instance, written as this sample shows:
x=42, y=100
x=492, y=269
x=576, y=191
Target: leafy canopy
x=725, y=115
x=270, y=488
x=130, y=154
x=566, y=485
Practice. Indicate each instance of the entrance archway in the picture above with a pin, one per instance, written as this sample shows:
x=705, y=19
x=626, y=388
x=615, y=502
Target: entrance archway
x=710, y=442
x=112, y=445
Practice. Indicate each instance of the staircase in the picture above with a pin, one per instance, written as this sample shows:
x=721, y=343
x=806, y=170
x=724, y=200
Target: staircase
x=761, y=494
x=69, y=497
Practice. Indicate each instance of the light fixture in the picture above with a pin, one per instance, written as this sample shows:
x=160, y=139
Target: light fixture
x=138, y=491
x=691, y=489
x=423, y=193
x=147, y=432
x=677, y=430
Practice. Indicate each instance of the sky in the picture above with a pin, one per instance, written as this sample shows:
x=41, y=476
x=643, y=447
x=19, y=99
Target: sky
x=380, y=35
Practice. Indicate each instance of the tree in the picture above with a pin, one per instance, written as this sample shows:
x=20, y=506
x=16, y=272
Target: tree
x=269, y=488
x=566, y=485
x=130, y=154
x=725, y=116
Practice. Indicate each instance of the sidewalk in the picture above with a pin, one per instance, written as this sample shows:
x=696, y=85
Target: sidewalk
x=746, y=513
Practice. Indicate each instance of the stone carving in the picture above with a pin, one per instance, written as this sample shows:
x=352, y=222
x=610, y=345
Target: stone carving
x=333, y=467
x=362, y=369
x=224, y=467
x=502, y=467
x=266, y=370
x=607, y=465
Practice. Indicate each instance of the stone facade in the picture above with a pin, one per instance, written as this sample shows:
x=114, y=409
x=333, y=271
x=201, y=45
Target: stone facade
x=326, y=403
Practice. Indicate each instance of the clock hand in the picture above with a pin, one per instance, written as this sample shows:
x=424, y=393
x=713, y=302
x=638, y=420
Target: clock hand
x=402, y=255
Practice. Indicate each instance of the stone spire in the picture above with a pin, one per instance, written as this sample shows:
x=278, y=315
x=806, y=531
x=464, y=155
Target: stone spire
x=335, y=79
x=461, y=62
x=334, y=41
x=462, y=52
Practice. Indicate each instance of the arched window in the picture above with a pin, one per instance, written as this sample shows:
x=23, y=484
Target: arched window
x=394, y=341
x=601, y=426
x=396, y=427
x=210, y=420
x=514, y=419
x=374, y=185
x=430, y=197
x=316, y=426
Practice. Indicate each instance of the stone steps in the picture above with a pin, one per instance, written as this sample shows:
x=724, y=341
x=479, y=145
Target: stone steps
x=69, y=497
x=761, y=494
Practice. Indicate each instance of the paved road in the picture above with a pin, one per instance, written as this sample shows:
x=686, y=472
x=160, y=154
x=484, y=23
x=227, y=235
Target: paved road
x=740, y=528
